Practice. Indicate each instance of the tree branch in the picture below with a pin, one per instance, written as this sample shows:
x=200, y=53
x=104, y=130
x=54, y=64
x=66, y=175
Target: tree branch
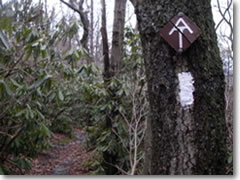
x=116, y=166
x=223, y=14
x=70, y=6
x=228, y=21
x=84, y=19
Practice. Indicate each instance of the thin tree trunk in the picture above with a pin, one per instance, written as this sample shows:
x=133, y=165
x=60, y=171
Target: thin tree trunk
x=98, y=44
x=85, y=22
x=118, y=34
x=84, y=19
x=192, y=139
x=109, y=158
x=91, y=29
x=107, y=74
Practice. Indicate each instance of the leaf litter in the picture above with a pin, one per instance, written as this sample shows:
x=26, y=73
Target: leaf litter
x=67, y=157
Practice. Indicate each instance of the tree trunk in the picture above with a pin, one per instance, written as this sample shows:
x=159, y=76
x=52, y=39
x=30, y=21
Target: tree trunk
x=183, y=139
x=92, y=31
x=109, y=158
x=111, y=68
x=84, y=19
x=85, y=22
x=118, y=34
x=106, y=60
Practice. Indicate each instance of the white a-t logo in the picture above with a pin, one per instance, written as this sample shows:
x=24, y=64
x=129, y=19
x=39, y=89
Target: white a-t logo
x=180, y=27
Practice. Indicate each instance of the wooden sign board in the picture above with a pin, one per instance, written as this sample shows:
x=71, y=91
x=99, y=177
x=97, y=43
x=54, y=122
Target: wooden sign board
x=180, y=32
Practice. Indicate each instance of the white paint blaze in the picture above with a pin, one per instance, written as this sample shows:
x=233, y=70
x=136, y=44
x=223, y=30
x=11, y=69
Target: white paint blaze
x=186, y=88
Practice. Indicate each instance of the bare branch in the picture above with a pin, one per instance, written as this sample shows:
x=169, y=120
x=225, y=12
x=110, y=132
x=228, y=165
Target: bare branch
x=84, y=19
x=223, y=14
x=116, y=166
x=6, y=134
x=70, y=6
x=5, y=146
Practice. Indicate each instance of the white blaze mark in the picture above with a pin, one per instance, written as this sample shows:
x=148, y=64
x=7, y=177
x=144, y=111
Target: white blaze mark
x=186, y=88
x=181, y=28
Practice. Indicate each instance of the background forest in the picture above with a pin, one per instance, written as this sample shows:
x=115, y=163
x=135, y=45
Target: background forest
x=55, y=78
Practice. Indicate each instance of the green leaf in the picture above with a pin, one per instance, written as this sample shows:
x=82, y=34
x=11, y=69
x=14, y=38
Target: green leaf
x=28, y=53
x=6, y=24
x=6, y=87
x=17, y=143
x=79, y=53
x=39, y=82
x=16, y=84
x=21, y=113
x=23, y=163
x=26, y=32
x=40, y=115
x=39, y=104
x=45, y=131
x=36, y=52
x=4, y=170
x=30, y=111
x=102, y=148
x=230, y=159
x=26, y=114
x=3, y=41
x=120, y=92
x=44, y=53
x=52, y=96
x=60, y=95
x=39, y=92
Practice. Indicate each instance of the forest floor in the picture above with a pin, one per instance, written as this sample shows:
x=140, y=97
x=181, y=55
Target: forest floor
x=66, y=157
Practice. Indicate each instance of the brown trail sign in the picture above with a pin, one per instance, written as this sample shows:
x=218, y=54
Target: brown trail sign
x=180, y=32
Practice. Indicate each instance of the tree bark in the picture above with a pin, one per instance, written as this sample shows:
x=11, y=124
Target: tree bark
x=85, y=22
x=109, y=158
x=91, y=30
x=118, y=34
x=83, y=16
x=107, y=73
x=111, y=69
x=183, y=140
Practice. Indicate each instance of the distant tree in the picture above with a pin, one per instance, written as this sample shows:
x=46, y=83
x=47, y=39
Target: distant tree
x=112, y=65
x=117, y=36
x=78, y=8
x=92, y=28
x=183, y=140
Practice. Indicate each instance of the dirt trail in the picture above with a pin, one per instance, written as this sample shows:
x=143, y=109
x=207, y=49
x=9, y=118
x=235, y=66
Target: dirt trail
x=67, y=158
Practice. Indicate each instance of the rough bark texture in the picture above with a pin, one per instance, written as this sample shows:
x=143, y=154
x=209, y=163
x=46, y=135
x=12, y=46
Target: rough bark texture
x=183, y=140
x=118, y=34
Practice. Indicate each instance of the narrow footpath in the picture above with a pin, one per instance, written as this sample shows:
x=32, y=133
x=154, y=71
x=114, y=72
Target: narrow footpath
x=67, y=157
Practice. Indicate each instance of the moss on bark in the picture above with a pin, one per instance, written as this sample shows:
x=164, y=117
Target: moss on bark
x=207, y=114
